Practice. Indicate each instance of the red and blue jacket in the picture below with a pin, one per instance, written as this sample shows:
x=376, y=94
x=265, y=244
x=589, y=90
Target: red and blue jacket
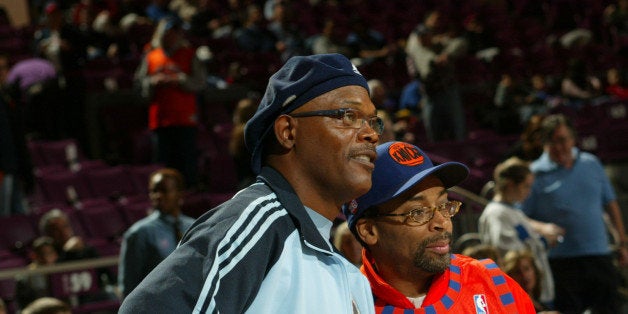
x=468, y=286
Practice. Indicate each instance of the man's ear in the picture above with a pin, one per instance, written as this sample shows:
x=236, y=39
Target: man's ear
x=366, y=231
x=285, y=131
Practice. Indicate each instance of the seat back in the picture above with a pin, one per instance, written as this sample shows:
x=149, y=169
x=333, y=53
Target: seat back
x=61, y=187
x=17, y=232
x=111, y=182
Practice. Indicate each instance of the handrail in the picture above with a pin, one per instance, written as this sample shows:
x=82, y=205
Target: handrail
x=60, y=267
x=469, y=195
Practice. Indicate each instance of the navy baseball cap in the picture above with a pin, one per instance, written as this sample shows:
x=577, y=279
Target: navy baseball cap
x=301, y=79
x=400, y=166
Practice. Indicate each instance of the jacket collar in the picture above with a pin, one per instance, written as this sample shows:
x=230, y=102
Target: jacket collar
x=291, y=202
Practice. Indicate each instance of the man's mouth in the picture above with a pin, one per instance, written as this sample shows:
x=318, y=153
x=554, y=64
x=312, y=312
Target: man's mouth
x=366, y=157
x=440, y=247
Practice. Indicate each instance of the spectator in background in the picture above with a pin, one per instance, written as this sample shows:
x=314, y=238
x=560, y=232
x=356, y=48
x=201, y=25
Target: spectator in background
x=206, y=21
x=56, y=225
x=365, y=43
x=3, y=307
x=385, y=106
x=267, y=250
x=578, y=86
x=171, y=76
x=65, y=46
x=521, y=266
x=33, y=287
x=406, y=126
x=47, y=305
x=572, y=190
x=253, y=36
x=616, y=16
x=237, y=149
x=328, y=41
x=61, y=42
x=33, y=83
x=148, y=241
x=184, y=9
x=481, y=44
x=616, y=20
x=504, y=226
x=158, y=10
x=380, y=96
x=231, y=19
x=108, y=39
x=404, y=223
x=389, y=127
x=529, y=147
x=616, y=84
x=482, y=251
x=289, y=38
x=12, y=167
x=537, y=100
x=432, y=54
x=508, y=99
x=411, y=95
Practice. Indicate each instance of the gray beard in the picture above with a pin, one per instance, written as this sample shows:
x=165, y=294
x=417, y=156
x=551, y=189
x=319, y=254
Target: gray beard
x=428, y=263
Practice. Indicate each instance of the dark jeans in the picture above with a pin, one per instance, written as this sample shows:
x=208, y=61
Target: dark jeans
x=176, y=148
x=586, y=282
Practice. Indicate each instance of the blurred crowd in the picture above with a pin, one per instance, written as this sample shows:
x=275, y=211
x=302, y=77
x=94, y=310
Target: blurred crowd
x=438, y=71
x=443, y=69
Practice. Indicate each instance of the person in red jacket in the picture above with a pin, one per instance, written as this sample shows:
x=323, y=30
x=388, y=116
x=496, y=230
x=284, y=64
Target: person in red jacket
x=404, y=224
x=171, y=77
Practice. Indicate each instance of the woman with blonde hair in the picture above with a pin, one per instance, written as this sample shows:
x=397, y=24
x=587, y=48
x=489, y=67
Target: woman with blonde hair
x=503, y=224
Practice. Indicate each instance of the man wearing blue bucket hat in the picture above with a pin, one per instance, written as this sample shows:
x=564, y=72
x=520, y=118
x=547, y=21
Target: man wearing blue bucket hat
x=404, y=224
x=267, y=250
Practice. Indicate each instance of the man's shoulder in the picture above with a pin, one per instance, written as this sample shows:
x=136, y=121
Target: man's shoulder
x=255, y=200
x=146, y=223
x=471, y=265
x=588, y=157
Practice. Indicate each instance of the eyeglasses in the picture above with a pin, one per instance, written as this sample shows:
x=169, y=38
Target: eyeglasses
x=351, y=118
x=423, y=215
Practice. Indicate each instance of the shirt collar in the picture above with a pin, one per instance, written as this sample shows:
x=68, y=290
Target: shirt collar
x=322, y=224
x=545, y=163
x=166, y=217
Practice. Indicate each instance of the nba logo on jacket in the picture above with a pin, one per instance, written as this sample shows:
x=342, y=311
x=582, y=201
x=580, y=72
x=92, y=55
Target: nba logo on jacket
x=481, y=307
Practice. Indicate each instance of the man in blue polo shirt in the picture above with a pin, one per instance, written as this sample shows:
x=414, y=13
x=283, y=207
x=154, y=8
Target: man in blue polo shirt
x=572, y=190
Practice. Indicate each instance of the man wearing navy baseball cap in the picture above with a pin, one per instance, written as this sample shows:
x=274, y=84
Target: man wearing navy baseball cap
x=404, y=224
x=267, y=250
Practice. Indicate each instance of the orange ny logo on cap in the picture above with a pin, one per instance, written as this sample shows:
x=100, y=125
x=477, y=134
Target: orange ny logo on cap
x=405, y=154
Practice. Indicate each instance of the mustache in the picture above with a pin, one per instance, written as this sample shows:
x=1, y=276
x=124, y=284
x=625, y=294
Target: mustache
x=445, y=236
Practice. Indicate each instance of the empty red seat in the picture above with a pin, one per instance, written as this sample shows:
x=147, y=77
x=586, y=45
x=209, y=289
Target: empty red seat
x=16, y=233
x=111, y=182
x=102, y=221
x=63, y=187
x=59, y=152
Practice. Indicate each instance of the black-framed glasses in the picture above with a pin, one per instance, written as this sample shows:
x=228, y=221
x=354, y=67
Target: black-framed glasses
x=351, y=118
x=424, y=214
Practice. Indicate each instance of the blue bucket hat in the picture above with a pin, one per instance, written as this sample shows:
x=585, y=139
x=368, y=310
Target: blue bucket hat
x=301, y=79
x=400, y=166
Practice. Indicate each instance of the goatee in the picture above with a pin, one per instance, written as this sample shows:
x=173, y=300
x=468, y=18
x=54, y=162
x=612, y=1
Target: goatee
x=432, y=263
